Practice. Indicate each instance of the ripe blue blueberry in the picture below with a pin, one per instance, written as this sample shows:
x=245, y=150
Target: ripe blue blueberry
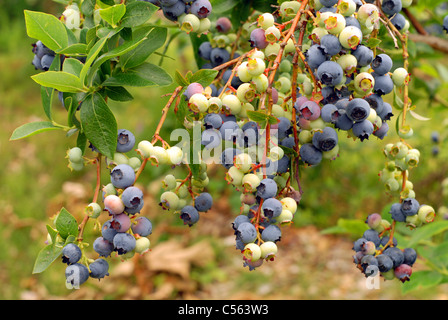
x=385, y=262
x=174, y=11
x=358, y=244
x=203, y=202
x=325, y=140
x=76, y=274
x=189, y=215
x=122, y=176
x=387, y=113
x=272, y=208
x=204, y=50
x=310, y=154
x=246, y=232
x=396, y=213
x=212, y=121
x=103, y=247
x=219, y=56
x=363, y=129
x=71, y=254
x=132, y=197
x=396, y=255
x=315, y=56
x=107, y=231
x=99, y=269
x=211, y=138
x=125, y=140
x=267, y=188
x=391, y=7
x=124, y=242
x=410, y=256
x=142, y=226
x=376, y=102
x=201, y=8
x=410, y=206
x=238, y=220
x=383, y=84
x=331, y=44
x=271, y=233
x=364, y=55
x=372, y=235
x=382, y=64
x=358, y=109
x=330, y=73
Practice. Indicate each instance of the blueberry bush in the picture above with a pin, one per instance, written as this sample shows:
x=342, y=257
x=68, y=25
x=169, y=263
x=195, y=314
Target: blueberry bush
x=277, y=86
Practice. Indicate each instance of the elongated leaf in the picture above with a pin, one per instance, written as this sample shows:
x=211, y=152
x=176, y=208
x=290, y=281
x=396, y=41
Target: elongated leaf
x=124, y=48
x=118, y=94
x=204, y=76
x=32, y=128
x=93, y=53
x=428, y=231
x=99, y=124
x=145, y=75
x=154, y=40
x=421, y=280
x=138, y=13
x=47, y=93
x=66, y=224
x=59, y=80
x=46, y=257
x=78, y=49
x=46, y=28
x=113, y=14
x=72, y=66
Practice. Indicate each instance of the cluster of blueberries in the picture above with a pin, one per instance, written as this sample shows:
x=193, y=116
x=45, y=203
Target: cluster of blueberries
x=124, y=233
x=192, y=15
x=43, y=56
x=376, y=252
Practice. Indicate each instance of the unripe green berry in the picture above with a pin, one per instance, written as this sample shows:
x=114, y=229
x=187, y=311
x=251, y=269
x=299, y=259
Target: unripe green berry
x=142, y=245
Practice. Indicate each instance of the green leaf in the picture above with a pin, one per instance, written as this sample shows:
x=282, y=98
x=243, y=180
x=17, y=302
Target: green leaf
x=93, y=53
x=349, y=226
x=421, y=280
x=47, y=93
x=113, y=14
x=180, y=79
x=204, y=76
x=427, y=231
x=138, y=13
x=257, y=116
x=99, y=124
x=78, y=49
x=66, y=224
x=116, y=52
x=72, y=66
x=32, y=128
x=46, y=256
x=145, y=75
x=46, y=28
x=154, y=40
x=220, y=6
x=118, y=94
x=52, y=232
x=373, y=42
x=59, y=80
x=196, y=42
